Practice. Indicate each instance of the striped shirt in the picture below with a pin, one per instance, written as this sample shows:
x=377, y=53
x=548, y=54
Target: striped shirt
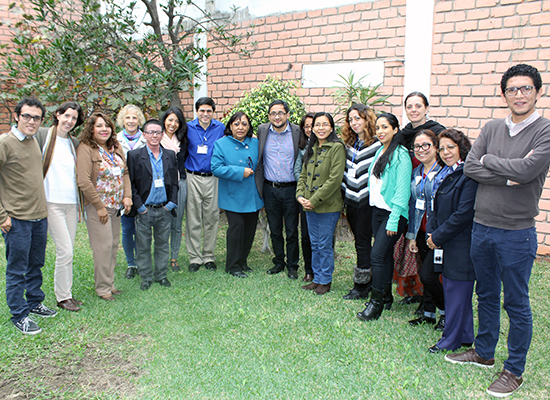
x=355, y=182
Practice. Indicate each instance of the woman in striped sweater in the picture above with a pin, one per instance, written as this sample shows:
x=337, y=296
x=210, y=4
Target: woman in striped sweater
x=359, y=137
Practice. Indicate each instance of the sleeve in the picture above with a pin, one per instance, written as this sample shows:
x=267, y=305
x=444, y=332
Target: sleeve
x=173, y=171
x=136, y=198
x=126, y=176
x=477, y=171
x=3, y=159
x=412, y=212
x=298, y=165
x=334, y=180
x=84, y=168
x=301, y=186
x=402, y=194
x=220, y=167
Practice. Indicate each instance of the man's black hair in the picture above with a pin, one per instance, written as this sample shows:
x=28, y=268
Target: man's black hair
x=205, y=100
x=279, y=102
x=31, y=102
x=521, y=70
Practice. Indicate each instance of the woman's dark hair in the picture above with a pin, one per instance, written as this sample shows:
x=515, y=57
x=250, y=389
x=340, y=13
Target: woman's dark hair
x=433, y=137
x=417, y=94
x=333, y=137
x=366, y=113
x=461, y=140
x=303, y=137
x=64, y=107
x=237, y=116
x=387, y=156
x=181, y=133
x=87, y=135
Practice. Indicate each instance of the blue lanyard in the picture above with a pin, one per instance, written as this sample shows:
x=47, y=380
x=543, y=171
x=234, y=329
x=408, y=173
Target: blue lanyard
x=423, y=181
x=357, y=146
x=154, y=162
x=111, y=157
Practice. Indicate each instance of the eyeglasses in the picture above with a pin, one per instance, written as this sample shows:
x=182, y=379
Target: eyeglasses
x=423, y=146
x=513, y=90
x=323, y=125
x=277, y=114
x=153, y=133
x=449, y=148
x=28, y=117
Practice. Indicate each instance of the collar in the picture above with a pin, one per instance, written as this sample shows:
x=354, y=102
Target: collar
x=287, y=129
x=151, y=153
x=20, y=135
x=517, y=128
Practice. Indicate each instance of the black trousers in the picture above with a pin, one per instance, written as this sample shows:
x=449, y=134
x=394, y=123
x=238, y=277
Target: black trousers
x=240, y=237
x=360, y=222
x=306, y=242
x=433, y=289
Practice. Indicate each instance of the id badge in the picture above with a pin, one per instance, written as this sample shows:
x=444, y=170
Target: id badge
x=420, y=204
x=352, y=172
x=438, y=256
x=202, y=149
x=159, y=183
x=116, y=171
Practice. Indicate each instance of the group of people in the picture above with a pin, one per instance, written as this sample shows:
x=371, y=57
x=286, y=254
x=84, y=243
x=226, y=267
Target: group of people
x=467, y=212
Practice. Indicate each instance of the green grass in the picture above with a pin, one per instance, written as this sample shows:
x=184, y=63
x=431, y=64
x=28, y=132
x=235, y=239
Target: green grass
x=212, y=336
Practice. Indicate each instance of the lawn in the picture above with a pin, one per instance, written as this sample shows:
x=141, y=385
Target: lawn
x=213, y=336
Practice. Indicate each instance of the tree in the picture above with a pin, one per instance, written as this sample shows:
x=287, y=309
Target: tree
x=96, y=53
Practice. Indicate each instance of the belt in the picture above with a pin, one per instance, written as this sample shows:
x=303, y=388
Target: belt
x=156, y=205
x=199, y=173
x=279, y=185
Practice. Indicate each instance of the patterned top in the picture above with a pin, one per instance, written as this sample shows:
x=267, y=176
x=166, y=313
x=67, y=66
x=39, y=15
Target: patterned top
x=110, y=181
x=355, y=182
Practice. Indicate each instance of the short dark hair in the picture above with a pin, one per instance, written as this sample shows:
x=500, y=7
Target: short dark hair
x=279, y=102
x=205, y=100
x=428, y=133
x=181, y=133
x=152, y=121
x=521, y=70
x=462, y=141
x=237, y=116
x=64, y=107
x=417, y=94
x=31, y=102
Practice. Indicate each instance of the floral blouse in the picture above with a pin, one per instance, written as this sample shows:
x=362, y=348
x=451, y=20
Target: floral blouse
x=110, y=181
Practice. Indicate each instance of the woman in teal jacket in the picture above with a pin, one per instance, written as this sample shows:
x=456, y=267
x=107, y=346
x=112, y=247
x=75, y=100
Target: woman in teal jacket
x=389, y=193
x=318, y=192
x=234, y=159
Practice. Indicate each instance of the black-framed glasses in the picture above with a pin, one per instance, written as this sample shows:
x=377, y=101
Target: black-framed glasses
x=28, y=117
x=449, y=148
x=423, y=146
x=513, y=90
x=277, y=114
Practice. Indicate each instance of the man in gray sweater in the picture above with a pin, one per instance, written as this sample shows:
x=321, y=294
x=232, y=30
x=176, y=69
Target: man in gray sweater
x=510, y=160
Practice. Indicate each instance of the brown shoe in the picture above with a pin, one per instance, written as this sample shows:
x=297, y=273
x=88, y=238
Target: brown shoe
x=308, y=278
x=116, y=292
x=311, y=286
x=322, y=289
x=108, y=298
x=506, y=384
x=68, y=305
x=77, y=302
x=470, y=357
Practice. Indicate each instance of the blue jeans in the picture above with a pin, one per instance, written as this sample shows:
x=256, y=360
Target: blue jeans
x=321, y=231
x=129, y=239
x=25, y=256
x=504, y=256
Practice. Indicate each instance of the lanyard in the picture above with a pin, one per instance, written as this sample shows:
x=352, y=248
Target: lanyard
x=111, y=157
x=358, y=144
x=154, y=162
x=423, y=181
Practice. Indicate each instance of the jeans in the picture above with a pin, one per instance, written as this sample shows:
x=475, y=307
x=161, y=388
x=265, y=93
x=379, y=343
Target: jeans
x=321, y=231
x=360, y=222
x=382, y=250
x=129, y=239
x=25, y=256
x=175, y=227
x=504, y=257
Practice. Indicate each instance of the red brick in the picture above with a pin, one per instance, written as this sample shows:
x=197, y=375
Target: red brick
x=478, y=13
x=363, y=6
x=334, y=57
x=453, y=37
x=318, y=39
x=546, y=6
x=525, y=56
x=544, y=54
x=346, y=9
x=369, y=15
x=464, y=4
x=368, y=54
x=444, y=27
x=336, y=19
x=475, y=57
x=311, y=49
x=317, y=57
x=342, y=46
x=472, y=121
x=282, y=52
x=500, y=34
x=534, y=43
x=474, y=102
x=483, y=68
x=351, y=55
x=539, y=19
x=460, y=69
x=378, y=24
x=306, y=23
x=469, y=80
x=396, y=23
x=313, y=31
x=477, y=36
x=291, y=43
x=328, y=29
x=453, y=58
x=443, y=6
x=352, y=17
x=447, y=101
x=330, y=11
x=503, y=11
x=282, y=36
x=458, y=112
x=463, y=47
x=490, y=23
x=515, y=21
x=388, y=13
x=445, y=81
x=529, y=8
x=517, y=44
x=334, y=38
x=455, y=16
x=367, y=35
x=314, y=13
x=498, y=56
x=466, y=26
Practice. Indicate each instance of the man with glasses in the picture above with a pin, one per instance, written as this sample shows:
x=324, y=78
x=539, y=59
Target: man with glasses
x=510, y=160
x=278, y=148
x=23, y=215
x=202, y=214
x=154, y=178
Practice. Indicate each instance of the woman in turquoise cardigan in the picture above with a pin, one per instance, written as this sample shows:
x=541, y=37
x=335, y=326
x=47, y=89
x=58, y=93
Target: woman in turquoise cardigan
x=389, y=193
x=234, y=159
x=318, y=192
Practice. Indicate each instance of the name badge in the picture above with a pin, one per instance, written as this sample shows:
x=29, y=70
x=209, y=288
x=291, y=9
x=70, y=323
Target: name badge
x=116, y=171
x=202, y=149
x=352, y=172
x=420, y=204
x=438, y=256
x=159, y=183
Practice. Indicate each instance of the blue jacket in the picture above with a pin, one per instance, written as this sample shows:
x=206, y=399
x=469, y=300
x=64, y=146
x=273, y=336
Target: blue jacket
x=450, y=224
x=415, y=214
x=229, y=159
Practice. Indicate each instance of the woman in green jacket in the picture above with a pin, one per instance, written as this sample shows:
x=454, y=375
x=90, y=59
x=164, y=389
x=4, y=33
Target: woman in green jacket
x=389, y=193
x=319, y=194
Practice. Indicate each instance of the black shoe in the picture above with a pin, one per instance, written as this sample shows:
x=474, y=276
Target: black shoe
x=440, y=326
x=359, y=291
x=145, y=285
x=292, y=274
x=374, y=308
x=420, y=310
x=275, y=270
x=410, y=300
x=42, y=311
x=466, y=344
x=131, y=272
x=210, y=266
x=239, y=274
x=27, y=326
x=246, y=268
x=165, y=282
x=434, y=349
x=422, y=320
x=194, y=267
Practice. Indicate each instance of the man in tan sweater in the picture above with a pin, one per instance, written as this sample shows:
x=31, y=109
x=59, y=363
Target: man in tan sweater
x=23, y=216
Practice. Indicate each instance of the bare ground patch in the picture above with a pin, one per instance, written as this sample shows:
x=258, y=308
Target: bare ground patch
x=106, y=368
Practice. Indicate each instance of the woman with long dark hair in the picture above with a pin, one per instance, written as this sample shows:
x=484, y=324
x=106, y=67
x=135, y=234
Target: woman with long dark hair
x=389, y=193
x=318, y=192
x=175, y=139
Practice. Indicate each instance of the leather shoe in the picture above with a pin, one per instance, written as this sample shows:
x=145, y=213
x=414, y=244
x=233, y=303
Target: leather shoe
x=175, y=266
x=77, y=302
x=145, y=285
x=194, y=267
x=131, y=272
x=311, y=286
x=210, y=266
x=275, y=270
x=322, y=289
x=68, y=305
x=246, y=268
x=410, y=300
x=434, y=349
x=440, y=326
x=116, y=292
x=239, y=274
x=308, y=278
x=422, y=320
x=292, y=274
x=165, y=282
x=108, y=297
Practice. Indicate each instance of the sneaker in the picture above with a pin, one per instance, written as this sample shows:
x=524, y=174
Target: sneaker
x=42, y=311
x=506, y=384
x=470, y=357
x=27, y=326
